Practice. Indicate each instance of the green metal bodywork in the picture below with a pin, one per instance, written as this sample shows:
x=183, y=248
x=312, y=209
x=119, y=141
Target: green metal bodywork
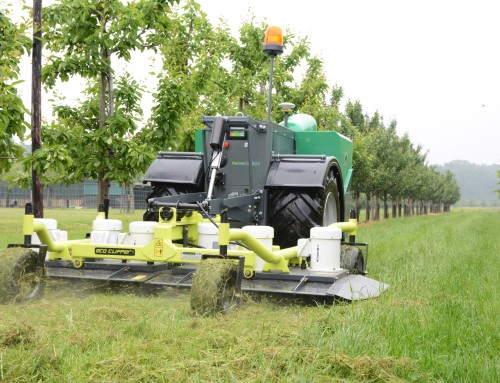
x=198, y=140
x=328, y=144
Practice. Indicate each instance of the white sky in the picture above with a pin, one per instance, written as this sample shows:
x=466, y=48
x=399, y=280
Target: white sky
x=431, y=65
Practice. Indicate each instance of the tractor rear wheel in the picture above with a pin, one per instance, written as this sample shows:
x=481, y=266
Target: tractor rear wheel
x=162, y=190
x=294, y=211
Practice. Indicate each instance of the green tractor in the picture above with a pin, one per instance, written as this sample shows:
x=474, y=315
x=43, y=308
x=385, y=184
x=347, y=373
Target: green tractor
x=259, y=207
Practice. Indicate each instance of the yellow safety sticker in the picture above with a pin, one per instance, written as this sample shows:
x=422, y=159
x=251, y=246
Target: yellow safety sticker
x=138, y=277
x=158, y=251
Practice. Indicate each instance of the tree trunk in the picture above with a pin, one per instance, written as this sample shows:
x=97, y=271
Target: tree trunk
x=368, y=207
x=400, y=207
x=105, y=85
x=130, y=199
x=356, y=203
x=386, y=207
x=394, y=208
x=49, y=197
x=36, y=106
x=376, y=207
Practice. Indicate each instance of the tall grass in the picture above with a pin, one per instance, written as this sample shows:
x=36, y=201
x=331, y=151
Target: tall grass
x=437, y=322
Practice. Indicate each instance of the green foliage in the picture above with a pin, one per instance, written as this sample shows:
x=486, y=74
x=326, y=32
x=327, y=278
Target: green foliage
x=118, y=146
x=192, y=55
x=84, y=34
x=13, y=44
x=102, y=132
x=207, y=72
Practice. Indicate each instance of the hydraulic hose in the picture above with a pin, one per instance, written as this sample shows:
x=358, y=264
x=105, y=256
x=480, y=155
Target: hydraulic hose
x=258, y=248
x=348, y=227
x=31, y=226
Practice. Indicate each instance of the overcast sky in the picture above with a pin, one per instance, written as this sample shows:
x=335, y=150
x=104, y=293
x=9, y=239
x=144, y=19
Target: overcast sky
x=434, y=66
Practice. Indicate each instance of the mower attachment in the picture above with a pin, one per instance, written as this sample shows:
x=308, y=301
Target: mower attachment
x=303, y=283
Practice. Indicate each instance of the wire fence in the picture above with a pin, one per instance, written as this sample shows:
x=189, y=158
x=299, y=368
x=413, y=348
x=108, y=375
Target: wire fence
x=79, y=196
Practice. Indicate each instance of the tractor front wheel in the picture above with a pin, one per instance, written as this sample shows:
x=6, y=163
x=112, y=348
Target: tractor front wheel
x=294, y=211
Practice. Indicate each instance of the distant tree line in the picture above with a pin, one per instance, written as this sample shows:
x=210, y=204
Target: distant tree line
x=478, y=183
x=203, y=70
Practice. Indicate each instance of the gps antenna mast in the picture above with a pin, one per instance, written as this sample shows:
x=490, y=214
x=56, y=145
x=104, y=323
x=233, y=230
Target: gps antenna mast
x=273, y=46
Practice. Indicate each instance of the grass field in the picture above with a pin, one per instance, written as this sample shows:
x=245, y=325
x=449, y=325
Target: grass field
x=439, y=321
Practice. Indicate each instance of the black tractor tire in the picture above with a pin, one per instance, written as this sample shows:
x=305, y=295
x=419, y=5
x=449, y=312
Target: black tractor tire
x=294, y=211
x=165, y=189
x=22, y=275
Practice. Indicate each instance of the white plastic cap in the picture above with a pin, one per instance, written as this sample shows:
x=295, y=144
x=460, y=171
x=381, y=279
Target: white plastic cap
x=107, y=224
x=142, y=227
x=326, y=233
x=50, y=224
x=207, y=228
x=260, y=231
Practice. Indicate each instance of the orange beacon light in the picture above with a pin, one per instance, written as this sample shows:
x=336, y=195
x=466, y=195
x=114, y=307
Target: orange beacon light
x=273, y=41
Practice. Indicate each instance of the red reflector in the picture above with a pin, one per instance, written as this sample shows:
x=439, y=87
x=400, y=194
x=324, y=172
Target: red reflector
x=226, y=144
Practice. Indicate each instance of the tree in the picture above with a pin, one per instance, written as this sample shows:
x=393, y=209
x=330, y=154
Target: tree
x=192, y=81
x=84, y=36
x=498, y=190
x=249, y=71
x=14, y=43
x=451, y=190
x=127, y=153
x=206, y=71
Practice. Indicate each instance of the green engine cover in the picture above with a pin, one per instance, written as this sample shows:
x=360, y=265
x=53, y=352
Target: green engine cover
x=301, y=123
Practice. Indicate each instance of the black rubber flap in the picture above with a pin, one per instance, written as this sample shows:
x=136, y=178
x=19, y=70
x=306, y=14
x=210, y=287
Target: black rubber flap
x=182, y=170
